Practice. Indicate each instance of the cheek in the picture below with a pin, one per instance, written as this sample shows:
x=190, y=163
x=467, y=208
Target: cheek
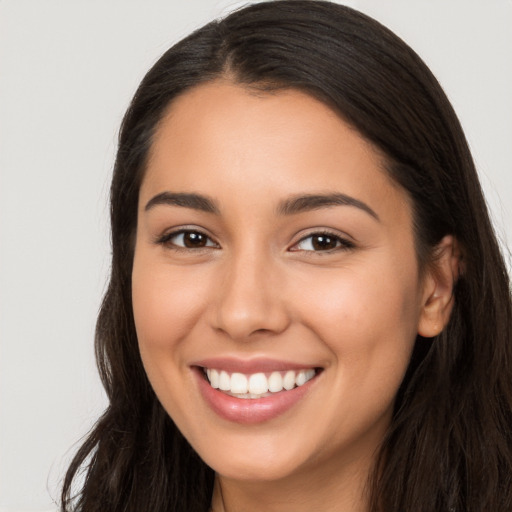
x=369, y=326
x=367, y=319
x=365, y=299
x=166, y=303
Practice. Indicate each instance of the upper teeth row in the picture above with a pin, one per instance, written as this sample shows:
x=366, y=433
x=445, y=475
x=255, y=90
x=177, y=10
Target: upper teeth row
x=258, y=383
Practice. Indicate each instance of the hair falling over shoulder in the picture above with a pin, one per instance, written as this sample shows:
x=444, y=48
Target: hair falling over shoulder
x=449, y=446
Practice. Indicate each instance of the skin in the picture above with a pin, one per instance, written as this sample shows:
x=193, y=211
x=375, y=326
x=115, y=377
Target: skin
x=259, y=289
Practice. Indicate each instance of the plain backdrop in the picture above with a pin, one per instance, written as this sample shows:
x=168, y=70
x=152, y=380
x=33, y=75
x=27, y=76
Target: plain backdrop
x=68, y=69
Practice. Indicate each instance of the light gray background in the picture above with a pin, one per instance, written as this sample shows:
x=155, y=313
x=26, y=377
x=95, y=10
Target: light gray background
x=68, y=69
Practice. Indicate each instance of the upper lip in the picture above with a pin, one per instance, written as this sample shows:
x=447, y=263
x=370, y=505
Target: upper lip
x=249, y=366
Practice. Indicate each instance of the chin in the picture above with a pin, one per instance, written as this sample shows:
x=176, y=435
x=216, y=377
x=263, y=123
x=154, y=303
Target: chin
x=262, y=470
x=257, y=456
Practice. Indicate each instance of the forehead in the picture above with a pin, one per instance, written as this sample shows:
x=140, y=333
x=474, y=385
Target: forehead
x=224, y=139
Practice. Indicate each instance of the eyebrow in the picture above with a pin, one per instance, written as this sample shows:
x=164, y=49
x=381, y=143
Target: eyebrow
x=292, y=206
x=305, y=203
x=193, y=201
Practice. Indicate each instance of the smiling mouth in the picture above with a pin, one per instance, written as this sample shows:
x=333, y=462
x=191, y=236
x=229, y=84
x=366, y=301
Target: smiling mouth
x=257, y=385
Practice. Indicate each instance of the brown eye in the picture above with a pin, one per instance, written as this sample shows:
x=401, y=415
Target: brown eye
x=188, y=239
x=322, y=242
x=193, y=239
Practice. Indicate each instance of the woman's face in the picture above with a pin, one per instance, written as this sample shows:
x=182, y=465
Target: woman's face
x=272, y=249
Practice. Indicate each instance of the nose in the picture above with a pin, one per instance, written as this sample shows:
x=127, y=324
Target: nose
x=250, y=298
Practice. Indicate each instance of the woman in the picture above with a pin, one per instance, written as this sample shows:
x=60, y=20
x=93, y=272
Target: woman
x=308, y=309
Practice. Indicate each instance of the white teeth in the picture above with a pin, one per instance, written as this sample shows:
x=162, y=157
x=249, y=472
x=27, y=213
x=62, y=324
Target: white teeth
x=300, y=378
x=224, y=381
x=303, y=376
x=257, y=385
x=289, y=380
x=275, y=382
x=246, y=396
x=213, y=376
x=238, y=383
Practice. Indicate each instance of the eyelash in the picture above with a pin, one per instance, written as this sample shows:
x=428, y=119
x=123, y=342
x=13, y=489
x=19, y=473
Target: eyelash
x=342, y=244
x=166, y=240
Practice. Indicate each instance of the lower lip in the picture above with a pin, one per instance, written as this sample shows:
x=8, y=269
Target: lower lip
x=251, y=410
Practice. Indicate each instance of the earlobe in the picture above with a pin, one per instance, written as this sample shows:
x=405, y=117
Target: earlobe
x=439, y=282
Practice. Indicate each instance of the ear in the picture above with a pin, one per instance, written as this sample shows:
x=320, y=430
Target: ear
x=438, y=283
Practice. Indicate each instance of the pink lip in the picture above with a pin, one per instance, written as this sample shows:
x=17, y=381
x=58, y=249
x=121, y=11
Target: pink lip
x=249, y=366
x=250, y=411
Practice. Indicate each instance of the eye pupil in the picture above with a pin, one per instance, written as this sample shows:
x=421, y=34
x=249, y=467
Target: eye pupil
x=194, y=239
x=323, y=242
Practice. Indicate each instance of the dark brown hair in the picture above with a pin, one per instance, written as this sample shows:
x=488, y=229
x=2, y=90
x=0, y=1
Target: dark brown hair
x=449, y=446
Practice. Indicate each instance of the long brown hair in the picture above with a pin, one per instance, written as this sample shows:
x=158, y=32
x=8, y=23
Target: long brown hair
x=449, y=447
